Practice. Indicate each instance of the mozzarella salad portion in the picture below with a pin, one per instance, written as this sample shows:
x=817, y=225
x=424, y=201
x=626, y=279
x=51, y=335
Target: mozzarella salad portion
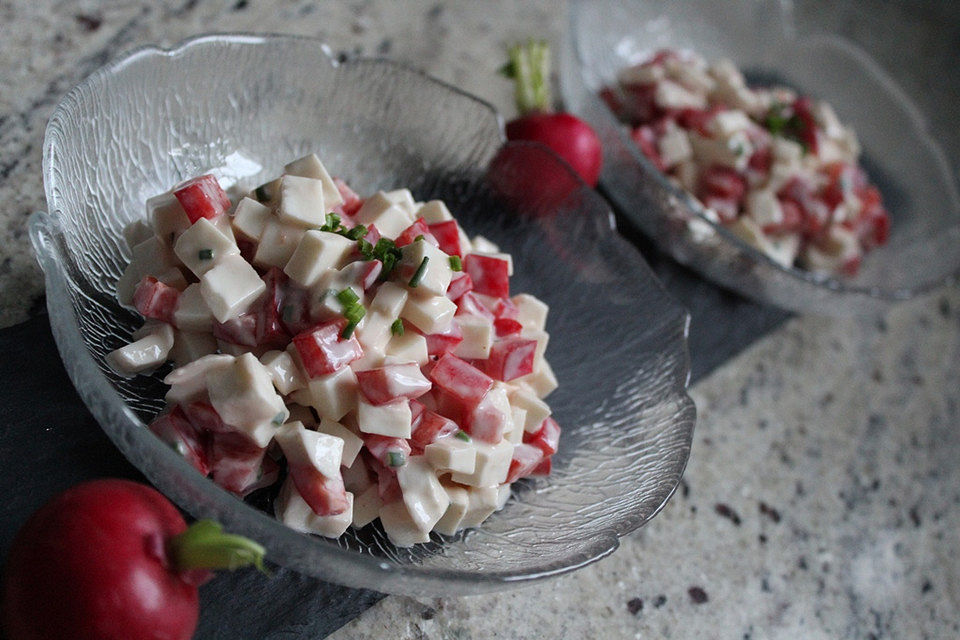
x=364, y=352
x=777, y=168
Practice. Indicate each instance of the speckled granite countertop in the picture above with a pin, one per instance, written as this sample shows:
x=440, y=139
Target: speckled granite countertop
x=822, y=498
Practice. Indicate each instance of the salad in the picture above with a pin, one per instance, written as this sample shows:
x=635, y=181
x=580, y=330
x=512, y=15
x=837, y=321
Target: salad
x=777, y=168
x=364, y=354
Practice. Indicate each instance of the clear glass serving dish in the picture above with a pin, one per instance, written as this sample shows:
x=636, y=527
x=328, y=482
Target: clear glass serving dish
x=245, y=105
x=900, y=153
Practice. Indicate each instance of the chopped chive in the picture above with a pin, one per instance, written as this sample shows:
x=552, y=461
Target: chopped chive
x=357, y=232
x=348, y=330
x=418, y=275
x=279, y=418
x=347, y=297
x=396, y=458
x=366, y=249
x=455, y=263
x=205, y=254
x=397, y=327
x=462, y=435
x=354, y=313
x=419, y=237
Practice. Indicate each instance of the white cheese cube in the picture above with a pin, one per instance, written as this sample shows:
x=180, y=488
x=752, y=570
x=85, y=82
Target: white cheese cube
x=733, y=152
x=136, y=232
x=371, y=358
x=784, y=248
x=149, y=351
x=305, y=448
x=452, y=454
x=459, y=500
x=750, y=232
x=301, y=201
x=422, y=492
x=173, y=277
x=192, y=313
x=293, y=511
x=764, y=208
x=268, y=192
x=277, y=244
x=786, y=151
x=317, y=253
x=641, y=74
x=478, y=337
x=830, y=255
x=391, y=419
x=542, y=381
x=482, y=502
x=230, y=287
x=403, y=199
x=537, y=410
x=379, y=210
x=503, y=495
x=493, y=462
x=410, y=347
x=366, y=506
x=234, y=349
x=243, y=395
x=542, y=338
x=351, y=441
x=168, y=218
x=674, y=146
x=190, y=381
x=690, y=74
x=518, y=418
x=375, y=333
x=333, y=395
x=400, y=527
x=434, y=211
x=688, y=175
x=311, y=167
x=482, y=245
x=727, y=123
x=249, y=218
x=436, y=274
x=532, y=312
x=670, y=95
x=191, y=345
x=284, y=372
x=429, y=315
x=153, y=256
x=390, y=299
x=203, y=246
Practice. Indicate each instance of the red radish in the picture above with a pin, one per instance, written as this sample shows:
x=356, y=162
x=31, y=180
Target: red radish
x=505, y=308
x=460, y=379
x=155, y=300
x=323, y=351
x=571, y=138
x=113, y=560
x=387, y=383
x=369, y=273
x=202, y=198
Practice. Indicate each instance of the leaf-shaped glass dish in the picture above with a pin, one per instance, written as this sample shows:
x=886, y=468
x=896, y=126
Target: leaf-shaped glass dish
x=900, y=153
x=245, y=105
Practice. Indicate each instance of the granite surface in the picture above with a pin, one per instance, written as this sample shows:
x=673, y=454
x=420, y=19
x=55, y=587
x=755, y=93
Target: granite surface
x=822, y=498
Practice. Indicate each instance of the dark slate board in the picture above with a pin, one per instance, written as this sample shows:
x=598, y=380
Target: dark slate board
x=49, y=442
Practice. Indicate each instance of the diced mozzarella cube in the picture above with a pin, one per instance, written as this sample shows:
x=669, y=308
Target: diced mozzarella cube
x=641, y=74
x=434, y=275
x=733, y=152
x=690, y=74
x=391, y=419
x=400, y=527
x=748, y=230
x=190, y=381
x=243, y=395
x=784, y=248
x=173, y=277
x=829, y=256
x=333, y=395
x=249, y=218
x=191, y=345
x=542, y=381
x=452, y=454
x=492, y=464
x=268, y=192
x=434, y=211
x=492, y=416
x=148, y=352
x=674, y=146
x=366, y=506
x=514, y=434
x=375, y=333
x=410, y=347
x=503, y=495
x=532, y=312
x=286, y=375
x=389, y=218
x=303, y=447
x=483, y=245
x=423, y=494
x=429, y=314
x=136, y=232
x=168, y=218
x=688, y=175
x=293, y=511
x=459, y=500
x=390, y=299
x=482, y=502
x=277, y=244
x=478, y=337
x=317, y=253
x=764, y=208
x=230, y=287
x=786, y=151
x=403, y=199
x=203, y=246
x=670, y=95
x=192, y=313
x=311, y=167
x=301, y=201
x=537, y=410
x=727, y=123
x=351, y=441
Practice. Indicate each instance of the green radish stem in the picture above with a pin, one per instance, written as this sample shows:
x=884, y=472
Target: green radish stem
x=204, y=545
x=529, y=66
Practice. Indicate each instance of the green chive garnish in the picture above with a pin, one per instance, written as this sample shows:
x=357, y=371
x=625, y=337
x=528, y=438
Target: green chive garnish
x=397, y=327
x=396, y=458
x=419, y=237
x=205, y=254
x=455, y=263
x=357, y=232
x=354, y=313
x=279, y=418
x=347, y=297
x=418, y=275
x=462, y=435
x=348, y=331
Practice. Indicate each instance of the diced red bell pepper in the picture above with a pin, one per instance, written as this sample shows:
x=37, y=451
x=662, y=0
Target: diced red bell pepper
x=839, y=183
x=471, y=304
x=380, y=447
x=447, y=234
x=351, y=201
x=323, y=351
x=546, y=437
x=369, y=273
x=416, y=412
x=640, y=103
x=505, y=308
x=241, y=330
x=418, y=228
x=202, y=198
x=431, y=428
x=155, y=300
x=760, y=163
x=389, y=487
x=490, y=274
x=175, y=430
x=326, y=496
x=722, y=182
x=461, y=380
x=526, y=458
x=810, y=131
x=646, y=139
x=507, y=327
x=510, y=358
x=792, y=219
x=235, y=461
x=448, y=406
x=460, y=284
x=611, y=97
x=270, y=332
x=486, y=421
x=726, y=209
x=206, y=419
x=544, y=468
x=389, y=382
x=698, y=119
x=444, y=341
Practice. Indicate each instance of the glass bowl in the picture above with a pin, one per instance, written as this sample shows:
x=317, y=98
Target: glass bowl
x=245, y=105
x=900, y=154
